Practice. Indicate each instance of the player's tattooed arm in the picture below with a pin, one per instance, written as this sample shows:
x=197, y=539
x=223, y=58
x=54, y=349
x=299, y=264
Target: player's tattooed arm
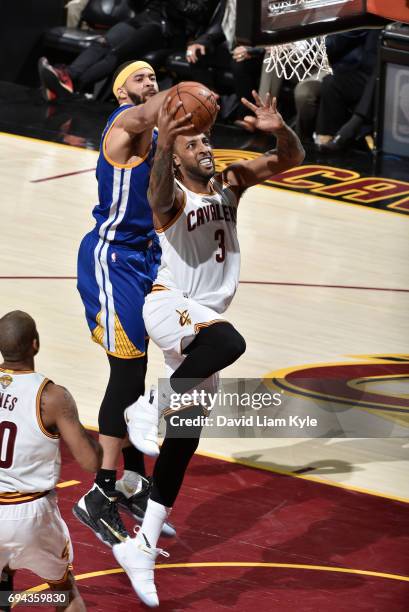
x=165, y=197
x=289, y=147
x=162, y=188
x=60, y=412
x=289, y=151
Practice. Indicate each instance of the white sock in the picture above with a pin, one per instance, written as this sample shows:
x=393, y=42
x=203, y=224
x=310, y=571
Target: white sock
x=130, y=483
x=155, y=515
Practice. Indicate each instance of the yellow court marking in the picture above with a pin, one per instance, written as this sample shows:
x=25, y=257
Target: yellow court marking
x=68, y=483
x=296, y=566
x=369, y=360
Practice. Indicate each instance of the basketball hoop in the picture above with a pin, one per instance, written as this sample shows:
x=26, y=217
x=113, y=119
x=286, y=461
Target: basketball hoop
x=300, y=59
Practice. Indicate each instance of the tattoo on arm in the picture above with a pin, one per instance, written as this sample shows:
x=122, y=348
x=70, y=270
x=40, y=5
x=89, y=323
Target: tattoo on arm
x=70, y=413
x=161, y=192
x=288, y=144
x=69, y=408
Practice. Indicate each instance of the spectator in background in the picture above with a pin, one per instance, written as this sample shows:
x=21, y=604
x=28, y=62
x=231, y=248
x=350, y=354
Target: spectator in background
x=307, y=100
x=161, y=25
x=337, y=107
x=216, y=48
x=74, y=10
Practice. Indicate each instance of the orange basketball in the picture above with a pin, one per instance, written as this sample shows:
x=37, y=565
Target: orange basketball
x=196, y=99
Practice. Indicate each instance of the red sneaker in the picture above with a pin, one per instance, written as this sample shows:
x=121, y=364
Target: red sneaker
x=57, y=81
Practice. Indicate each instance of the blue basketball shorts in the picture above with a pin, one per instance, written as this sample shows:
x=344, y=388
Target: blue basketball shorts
x=113, y=281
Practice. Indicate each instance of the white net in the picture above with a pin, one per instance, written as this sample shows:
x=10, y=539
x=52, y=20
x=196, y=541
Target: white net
x=300, y=59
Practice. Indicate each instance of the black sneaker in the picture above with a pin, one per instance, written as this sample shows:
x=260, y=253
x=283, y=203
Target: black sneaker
x=99, y=512
x=135, y=505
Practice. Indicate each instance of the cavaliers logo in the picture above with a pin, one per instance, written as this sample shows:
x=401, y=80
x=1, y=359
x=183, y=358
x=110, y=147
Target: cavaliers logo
x=184, y=318
x=337, y=184
x=5, y=381
x=379, y=383
x=66, y=551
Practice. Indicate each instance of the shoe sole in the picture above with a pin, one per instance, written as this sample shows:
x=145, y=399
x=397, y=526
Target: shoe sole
x=167, y=530
x=84, y=518
x=50, y=81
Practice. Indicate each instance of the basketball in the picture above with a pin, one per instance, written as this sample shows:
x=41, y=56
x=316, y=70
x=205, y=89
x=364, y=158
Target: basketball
x=196, y=99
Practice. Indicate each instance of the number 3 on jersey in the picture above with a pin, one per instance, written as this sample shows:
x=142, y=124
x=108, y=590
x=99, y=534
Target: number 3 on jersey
x=8, y=431
x=221, y=254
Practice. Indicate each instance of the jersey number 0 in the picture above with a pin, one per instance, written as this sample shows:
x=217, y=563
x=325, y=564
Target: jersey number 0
x=8, y=432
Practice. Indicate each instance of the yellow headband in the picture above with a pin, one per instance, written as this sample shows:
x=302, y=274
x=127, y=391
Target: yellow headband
x=126, y=72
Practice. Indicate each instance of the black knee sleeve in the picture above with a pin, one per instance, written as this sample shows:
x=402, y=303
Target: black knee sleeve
x=126, y=383
x=214, y=348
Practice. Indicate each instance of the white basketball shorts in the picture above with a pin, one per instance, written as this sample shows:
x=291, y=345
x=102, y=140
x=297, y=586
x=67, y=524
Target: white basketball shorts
x=172, y=322
x=34, y=536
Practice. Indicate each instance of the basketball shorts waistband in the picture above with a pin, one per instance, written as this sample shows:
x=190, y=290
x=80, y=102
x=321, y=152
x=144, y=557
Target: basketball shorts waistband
x=17, y=497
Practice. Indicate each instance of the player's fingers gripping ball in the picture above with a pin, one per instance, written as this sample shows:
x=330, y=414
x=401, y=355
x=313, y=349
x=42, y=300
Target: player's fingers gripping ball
x=197, y=100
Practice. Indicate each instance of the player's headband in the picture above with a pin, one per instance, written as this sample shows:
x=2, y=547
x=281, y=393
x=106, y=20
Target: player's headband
x=126, y=72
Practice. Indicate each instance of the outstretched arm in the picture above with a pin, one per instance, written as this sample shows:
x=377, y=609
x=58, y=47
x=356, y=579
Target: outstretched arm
x=142, y=117
x=289, y=151
x=165, y=197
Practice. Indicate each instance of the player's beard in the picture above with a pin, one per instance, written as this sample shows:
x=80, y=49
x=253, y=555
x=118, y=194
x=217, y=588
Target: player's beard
x=136, y=98
x=140, y=99
x=207, y=173
x=199, y=172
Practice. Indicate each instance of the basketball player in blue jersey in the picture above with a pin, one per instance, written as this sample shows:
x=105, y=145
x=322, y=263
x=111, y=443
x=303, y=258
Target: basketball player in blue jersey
x=117, y=262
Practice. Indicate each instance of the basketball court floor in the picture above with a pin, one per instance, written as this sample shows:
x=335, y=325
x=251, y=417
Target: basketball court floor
x=286, y=524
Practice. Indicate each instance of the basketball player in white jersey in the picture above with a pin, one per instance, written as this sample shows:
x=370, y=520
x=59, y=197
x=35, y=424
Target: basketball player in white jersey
x=34, y=414
x=194, y=212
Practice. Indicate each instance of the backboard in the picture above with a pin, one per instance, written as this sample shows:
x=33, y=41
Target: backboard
x=263, y=22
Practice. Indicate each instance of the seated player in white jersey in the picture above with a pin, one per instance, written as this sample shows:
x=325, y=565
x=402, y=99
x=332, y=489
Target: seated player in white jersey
x=194, y=212
x=34, y=414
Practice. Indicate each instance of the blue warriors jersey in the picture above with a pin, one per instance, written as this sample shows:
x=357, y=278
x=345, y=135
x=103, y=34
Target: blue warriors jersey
x=118, y=260
x=123, y=214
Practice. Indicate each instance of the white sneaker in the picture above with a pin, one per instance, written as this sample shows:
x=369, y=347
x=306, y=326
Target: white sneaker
x=138, y=561
x=142, y=419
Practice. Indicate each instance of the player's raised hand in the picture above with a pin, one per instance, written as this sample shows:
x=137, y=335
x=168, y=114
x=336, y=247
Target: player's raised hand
x=266, y=117
x=169, y=127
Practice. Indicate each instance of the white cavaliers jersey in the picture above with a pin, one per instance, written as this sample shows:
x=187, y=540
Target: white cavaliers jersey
x=200, y=249
x=29, y=455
